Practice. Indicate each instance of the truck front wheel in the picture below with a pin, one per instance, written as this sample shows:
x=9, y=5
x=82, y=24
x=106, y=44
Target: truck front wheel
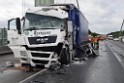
x=65, y=56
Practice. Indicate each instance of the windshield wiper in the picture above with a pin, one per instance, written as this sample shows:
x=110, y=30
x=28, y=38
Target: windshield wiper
x=47, y=28
x=32, y=28
x=50, y=28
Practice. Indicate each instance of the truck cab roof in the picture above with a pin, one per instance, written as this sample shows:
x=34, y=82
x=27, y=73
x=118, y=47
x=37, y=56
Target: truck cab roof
x=54, y=11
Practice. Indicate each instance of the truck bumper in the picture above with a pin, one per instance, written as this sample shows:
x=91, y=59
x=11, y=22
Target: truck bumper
x=42, y=58
x=34, y=58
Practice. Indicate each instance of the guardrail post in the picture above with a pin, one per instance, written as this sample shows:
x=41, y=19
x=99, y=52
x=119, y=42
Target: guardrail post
x=2, y=37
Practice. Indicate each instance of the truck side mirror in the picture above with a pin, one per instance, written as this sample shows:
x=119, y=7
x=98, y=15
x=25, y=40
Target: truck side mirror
x=23, y=18
x=70, y=26
x=18, y=25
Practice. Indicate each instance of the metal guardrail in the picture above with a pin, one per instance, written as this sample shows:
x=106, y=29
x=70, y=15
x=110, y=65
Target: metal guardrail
x=4, y=49
x=3, y=37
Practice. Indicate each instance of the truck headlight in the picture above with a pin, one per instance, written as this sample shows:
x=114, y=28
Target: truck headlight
x=23, y=53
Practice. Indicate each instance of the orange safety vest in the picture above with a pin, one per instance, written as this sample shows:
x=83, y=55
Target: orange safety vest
x=95, y=39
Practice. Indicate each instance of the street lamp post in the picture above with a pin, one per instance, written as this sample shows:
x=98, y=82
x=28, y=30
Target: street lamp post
x=121, y=34
x=78, y=4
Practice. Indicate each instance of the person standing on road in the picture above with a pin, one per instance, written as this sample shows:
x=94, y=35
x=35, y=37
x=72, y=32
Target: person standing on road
x=95, y=41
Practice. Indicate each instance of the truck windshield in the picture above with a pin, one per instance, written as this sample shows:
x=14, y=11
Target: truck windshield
x=34, y=21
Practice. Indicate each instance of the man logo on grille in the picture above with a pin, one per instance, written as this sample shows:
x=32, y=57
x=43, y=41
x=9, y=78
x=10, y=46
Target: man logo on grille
x=42, y=40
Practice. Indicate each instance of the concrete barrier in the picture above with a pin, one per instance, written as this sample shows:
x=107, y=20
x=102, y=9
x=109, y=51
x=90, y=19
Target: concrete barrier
x=5, y=50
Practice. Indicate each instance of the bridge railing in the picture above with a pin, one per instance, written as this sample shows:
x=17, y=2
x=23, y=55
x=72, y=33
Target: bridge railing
x=3, y=37
x=4, y=49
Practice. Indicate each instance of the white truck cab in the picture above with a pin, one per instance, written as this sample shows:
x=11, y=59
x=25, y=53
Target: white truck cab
x=49, y=34
x=40, y=39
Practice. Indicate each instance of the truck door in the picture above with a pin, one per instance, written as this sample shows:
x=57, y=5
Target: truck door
x=13, y=37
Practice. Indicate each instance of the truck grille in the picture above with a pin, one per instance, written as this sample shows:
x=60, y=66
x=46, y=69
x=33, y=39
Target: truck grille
x=40, y=62
x=50, y=48
x=42, y=40
x=40, y=55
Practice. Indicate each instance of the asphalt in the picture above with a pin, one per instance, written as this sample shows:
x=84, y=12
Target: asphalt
x=11, y=74
x=5, y=50
x=106, y=68
x=118, y=49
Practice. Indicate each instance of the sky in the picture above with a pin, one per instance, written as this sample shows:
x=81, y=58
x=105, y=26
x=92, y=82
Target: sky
x=104, y=16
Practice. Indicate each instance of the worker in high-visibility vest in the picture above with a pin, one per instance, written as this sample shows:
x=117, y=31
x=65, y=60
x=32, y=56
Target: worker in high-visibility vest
x=95, y=41
x=90, y=38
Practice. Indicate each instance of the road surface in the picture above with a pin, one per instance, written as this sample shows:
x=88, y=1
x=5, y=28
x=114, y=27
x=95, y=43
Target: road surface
x=11, y=74
x=108, y=67
x=5, y=50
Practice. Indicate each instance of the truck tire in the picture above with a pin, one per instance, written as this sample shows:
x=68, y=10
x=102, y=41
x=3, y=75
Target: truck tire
x=65, y=56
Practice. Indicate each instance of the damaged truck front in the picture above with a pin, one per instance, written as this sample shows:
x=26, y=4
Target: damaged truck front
x=49, y=34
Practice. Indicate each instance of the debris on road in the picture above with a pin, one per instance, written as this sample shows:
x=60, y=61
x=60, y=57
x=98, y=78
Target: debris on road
x=9, y=64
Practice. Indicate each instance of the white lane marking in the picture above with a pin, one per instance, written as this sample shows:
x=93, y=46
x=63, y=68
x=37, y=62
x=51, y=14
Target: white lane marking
x=118, y=44
x=32, y=76
x=120, y=51
x=117, y=56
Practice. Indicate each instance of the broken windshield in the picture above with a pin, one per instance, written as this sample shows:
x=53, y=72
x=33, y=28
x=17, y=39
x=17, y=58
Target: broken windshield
x=42, y=22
